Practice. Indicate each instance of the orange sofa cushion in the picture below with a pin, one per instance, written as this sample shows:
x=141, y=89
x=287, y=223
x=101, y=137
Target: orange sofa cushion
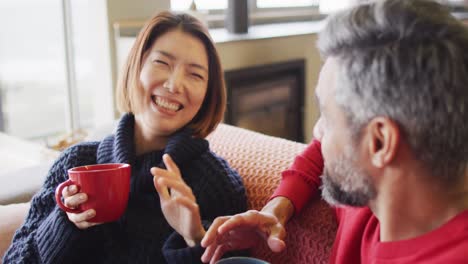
x=260, y=159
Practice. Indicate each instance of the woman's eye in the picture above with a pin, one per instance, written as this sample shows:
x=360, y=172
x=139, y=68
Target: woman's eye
x=161, y=62
x=198, y=76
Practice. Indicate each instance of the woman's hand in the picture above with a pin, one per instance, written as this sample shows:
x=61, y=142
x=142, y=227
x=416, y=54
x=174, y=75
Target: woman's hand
x=72, y=199
x=178, y=203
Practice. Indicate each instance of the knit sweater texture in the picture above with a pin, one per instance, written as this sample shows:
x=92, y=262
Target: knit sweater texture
x=142, y=234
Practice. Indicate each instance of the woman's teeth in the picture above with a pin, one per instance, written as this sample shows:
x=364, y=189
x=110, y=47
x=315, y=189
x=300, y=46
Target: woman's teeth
x=166, y=104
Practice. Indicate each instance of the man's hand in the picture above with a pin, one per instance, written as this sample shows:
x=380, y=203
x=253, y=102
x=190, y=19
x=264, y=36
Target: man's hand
x=242, y=231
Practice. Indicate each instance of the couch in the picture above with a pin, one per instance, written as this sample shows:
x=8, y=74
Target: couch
x=259, y=159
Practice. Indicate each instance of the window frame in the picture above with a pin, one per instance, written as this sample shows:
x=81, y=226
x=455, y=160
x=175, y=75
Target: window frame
x=268, y=15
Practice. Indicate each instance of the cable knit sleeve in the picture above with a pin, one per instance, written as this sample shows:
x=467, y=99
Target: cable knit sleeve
x=219, y=191
x=302, y=180
x=47, y=236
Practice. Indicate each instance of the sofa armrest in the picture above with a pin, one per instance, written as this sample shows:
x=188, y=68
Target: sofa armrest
x=25, y=165
x=19, y=185
x=11, y=218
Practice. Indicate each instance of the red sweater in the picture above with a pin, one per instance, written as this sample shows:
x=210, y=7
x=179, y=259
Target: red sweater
x=358, y=236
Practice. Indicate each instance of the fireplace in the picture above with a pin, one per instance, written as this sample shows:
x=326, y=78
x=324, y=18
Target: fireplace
x=268, y=99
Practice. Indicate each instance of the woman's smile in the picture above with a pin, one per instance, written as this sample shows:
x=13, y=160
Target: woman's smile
x=166, y=104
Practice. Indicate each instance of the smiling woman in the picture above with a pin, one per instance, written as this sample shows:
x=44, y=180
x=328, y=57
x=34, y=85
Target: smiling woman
x=174, y=80
x=172, y=95
x=184, y=60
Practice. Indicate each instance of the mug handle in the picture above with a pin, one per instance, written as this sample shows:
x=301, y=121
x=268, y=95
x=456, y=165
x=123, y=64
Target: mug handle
x=58, y=197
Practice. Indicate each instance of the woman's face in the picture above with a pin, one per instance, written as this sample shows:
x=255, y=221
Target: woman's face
x=174, y=81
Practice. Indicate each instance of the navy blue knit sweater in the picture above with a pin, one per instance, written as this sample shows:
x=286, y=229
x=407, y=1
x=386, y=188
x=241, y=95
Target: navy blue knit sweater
x=142, y=234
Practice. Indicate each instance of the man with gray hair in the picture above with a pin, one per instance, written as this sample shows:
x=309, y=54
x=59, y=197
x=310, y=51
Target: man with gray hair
x=393, y=96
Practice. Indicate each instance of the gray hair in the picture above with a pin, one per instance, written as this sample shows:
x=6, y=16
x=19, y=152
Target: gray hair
x=406, y=60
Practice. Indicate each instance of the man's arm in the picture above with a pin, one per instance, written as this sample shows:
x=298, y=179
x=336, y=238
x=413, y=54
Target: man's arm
x=246, y=230
x=281, y=207
x=301, y=181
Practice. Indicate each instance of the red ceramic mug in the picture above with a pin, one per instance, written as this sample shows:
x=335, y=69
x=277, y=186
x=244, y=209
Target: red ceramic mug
x=107, y=187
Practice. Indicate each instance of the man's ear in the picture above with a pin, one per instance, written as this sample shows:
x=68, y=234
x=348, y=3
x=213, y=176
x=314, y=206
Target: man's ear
x=384, y=139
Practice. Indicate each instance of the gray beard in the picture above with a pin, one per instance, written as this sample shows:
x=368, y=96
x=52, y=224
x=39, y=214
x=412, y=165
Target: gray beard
x=333, y=194
x=345, y=184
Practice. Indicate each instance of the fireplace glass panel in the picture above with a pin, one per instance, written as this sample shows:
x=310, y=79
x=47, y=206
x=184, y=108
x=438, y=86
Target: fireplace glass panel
x=267, y=99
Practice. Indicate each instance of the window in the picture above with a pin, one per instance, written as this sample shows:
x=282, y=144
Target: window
x=32, y=83
x=84, y=66
x=222, y=4
x=260, y=11
x=36, y=101
x=182, y=5
x=291, y=3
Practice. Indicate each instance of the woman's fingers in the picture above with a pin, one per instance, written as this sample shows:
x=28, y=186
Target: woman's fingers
x=72, y=199
x=187, y=203
x=158, y=172
x=178, y=188
x=81, y=220
x=170, y=164
x=162, y=189
x=75, y=200
x=81, y=217
x=86, y=225
x=164, y=180
x=69, y=191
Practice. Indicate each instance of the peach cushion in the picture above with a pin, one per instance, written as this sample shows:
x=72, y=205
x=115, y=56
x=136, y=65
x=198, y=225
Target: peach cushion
x=11, y=218
x=259, y=159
